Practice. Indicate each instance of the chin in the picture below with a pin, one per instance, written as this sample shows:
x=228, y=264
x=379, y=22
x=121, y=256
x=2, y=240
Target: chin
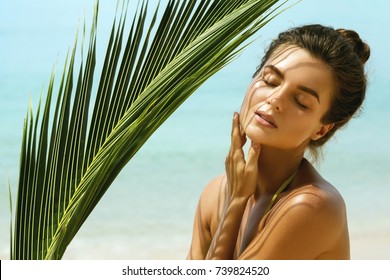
x=256, y=136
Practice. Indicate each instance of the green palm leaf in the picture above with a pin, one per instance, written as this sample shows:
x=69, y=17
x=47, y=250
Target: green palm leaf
x=70, y=156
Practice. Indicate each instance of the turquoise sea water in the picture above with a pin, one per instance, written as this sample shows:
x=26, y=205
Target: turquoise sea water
x=147, y=213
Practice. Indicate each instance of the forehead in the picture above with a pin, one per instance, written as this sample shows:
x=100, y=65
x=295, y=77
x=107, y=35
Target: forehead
x=294, y=57
x=299, y=69
x=299, y=65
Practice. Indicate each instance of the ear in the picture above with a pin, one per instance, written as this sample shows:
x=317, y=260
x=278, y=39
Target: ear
x=324, y=129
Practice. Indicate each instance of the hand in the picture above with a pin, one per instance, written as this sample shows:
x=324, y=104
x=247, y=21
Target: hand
x=241, y=174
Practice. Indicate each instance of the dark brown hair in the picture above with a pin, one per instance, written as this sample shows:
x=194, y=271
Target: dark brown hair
x=345, y=54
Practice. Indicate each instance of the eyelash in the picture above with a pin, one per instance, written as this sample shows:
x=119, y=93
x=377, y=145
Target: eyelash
x=302, y=106
x=267, y=82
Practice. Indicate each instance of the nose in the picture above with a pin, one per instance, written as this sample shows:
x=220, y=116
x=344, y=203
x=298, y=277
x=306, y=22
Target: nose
x=275, y=103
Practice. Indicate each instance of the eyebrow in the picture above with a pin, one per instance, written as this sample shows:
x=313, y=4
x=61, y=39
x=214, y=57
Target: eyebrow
x=276, y=70
x=303, y=88
x=310, y=91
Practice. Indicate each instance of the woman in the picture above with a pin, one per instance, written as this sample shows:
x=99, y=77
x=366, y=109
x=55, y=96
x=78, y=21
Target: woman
x=274, y=204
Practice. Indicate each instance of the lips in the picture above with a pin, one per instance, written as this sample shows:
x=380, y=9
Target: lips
x=265, y=119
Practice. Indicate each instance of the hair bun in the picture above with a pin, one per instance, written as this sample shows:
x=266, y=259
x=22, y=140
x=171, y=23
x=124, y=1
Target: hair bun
x=361, y=48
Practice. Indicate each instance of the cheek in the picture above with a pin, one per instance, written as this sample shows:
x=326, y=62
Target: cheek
x=303, y=129
x=251, y=102
x=298, y=130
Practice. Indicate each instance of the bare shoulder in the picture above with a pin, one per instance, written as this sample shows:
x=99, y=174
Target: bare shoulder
x=311, y=193
x=213, y=188
x=213, y=192
x=204, y=221
x=313, y=210
x=308, y=222
x=212, y=200
x=313, y=199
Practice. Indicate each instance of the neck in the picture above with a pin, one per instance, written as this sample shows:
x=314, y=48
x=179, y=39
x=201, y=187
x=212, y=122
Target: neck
x=275, y=166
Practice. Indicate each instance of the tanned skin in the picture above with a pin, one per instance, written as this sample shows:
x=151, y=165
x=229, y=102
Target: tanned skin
x=308, y=219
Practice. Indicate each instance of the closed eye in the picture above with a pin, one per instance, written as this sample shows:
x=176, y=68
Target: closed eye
x=269, y=81
x=301, y=105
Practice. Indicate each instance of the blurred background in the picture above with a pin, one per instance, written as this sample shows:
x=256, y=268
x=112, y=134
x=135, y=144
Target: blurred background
x=148, y=211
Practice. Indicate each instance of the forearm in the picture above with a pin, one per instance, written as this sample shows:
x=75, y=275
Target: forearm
x=241, y=177
x=225, y=239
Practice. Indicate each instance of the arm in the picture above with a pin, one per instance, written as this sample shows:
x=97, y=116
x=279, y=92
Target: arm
x=202, y=229
x=225, y=239
x=241, y=184
x=201, y=237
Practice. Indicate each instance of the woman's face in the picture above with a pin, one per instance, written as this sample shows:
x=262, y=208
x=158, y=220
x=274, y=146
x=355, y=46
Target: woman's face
x=286, y=100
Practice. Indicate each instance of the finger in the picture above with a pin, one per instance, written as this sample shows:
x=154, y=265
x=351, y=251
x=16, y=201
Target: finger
x=236, y=154
x=237, y=137
x=242, y=131
x=251, y=168
x=243, y=137
x=253, y=157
